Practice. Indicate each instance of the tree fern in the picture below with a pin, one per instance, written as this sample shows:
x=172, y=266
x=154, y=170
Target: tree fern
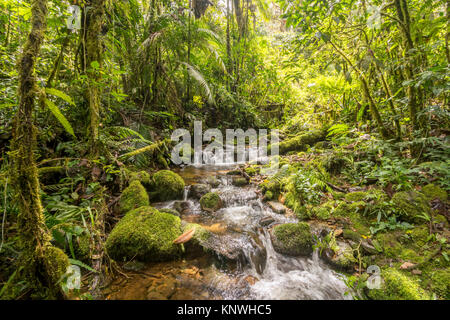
x=201, y=81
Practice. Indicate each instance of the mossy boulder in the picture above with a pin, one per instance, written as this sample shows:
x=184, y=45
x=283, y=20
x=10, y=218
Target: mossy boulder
x=293, y=239
x=211, y=202
x=166, y=185
x=142, y=176
x=410, y=205
x=56, y=262
x=322, y=213
x=134, y=196
x=397, y=286
x=145, y=234
x=82, y=247
x=170, y=211
x=351, y=235
x=268, y=196
x=340, y=257
x=433, y=192
x=239, y=181
x=213, y=181
x=197, y=191
x=334, y=163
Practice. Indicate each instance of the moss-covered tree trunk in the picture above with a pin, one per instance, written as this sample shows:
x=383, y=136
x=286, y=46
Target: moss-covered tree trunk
x=95, y=11
x=41, y=264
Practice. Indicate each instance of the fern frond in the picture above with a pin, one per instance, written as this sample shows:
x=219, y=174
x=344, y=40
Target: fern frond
x=59, y=116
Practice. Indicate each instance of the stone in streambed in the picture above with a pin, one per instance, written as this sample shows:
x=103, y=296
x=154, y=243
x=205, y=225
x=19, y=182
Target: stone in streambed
x=166, y=185
x=211, y=202
x=266, y=221
x=145, y=234
x=134, y=196
x=277, y=207
x=293, y=239
x=197, y=191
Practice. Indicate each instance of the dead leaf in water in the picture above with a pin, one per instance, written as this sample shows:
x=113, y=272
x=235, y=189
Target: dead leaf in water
x=216, y=228
x=185, y=237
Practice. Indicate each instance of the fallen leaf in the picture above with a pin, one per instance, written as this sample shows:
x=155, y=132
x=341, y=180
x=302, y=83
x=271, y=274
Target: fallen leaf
x=406, y=265
x=185, y=237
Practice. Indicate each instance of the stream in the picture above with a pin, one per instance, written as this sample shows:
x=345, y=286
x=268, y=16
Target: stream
x=257, y=272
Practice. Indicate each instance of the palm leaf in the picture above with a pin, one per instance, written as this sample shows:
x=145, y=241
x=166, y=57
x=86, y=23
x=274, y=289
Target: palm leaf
x=201, y=81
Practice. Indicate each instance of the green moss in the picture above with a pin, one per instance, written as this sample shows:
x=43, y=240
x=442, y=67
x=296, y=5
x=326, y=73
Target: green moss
x=142, y=176
x=134, y=196
x=239, y=181
x=268, y=195
x=211, y=202
x=410, y=204
x=352, y=235
x=432, y=192
x=201, y=235
x=321, y=213
x=419, y=235
x=334, y=163
x=356, y=196
x=292, y=239
x=390, y=244
x=301, y=142
x=398, y=286
x=166, y=185
x=82, y=247
x=440, y=283
x=170, y=211
x=145, y=234
x=292, y=202
x=344, y=259
x=56, y=262
x=251, y=171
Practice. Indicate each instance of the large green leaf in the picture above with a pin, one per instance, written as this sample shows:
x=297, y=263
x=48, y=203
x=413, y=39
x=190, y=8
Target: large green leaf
x=61, y=118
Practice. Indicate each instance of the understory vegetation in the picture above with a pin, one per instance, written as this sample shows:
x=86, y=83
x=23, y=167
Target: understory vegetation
x=359, y=91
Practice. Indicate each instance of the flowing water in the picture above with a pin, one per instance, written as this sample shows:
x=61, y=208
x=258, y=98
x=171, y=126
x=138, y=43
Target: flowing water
x=257, y=272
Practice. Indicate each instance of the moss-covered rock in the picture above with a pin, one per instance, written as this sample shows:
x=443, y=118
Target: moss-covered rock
x=142, y=176
x=213, y=181
x=239, y=181
x=322, y=213
x=56, y=263
x=82, y=246
x=166, y=185
x=197, y=191
x=293, y=239
x=134, y=196
x=334, y=163
x=301, y=142
x=211, y=202
x=201, y=235
x=397, y=286
x=432, y=192
x=251, y=171
x=340, y=257
x=145, y=234
x=170, y=211
x=351, y=235
x=410, y=205
x=420, y=235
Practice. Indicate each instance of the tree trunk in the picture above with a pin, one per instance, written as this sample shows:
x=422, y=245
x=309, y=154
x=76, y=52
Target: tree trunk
x=94, y=18
x=43, y=265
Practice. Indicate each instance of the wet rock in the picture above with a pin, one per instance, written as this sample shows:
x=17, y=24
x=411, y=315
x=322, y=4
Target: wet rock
x=368, y=248
x=213, y=181
x=133, y=266
x=197, y=191
x=181, y=206
x=264, y=222
x=239, y=181
x=277, y=207
x=341, y=258
x=293, y=239
x=211, y=202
